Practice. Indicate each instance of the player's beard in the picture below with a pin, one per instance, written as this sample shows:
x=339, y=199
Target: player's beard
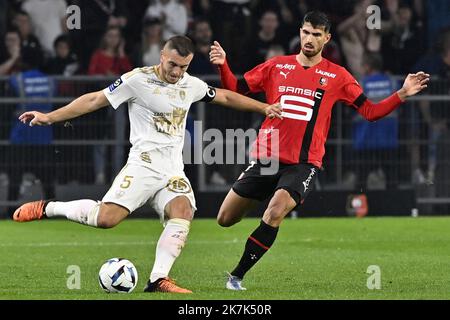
x=311, y=53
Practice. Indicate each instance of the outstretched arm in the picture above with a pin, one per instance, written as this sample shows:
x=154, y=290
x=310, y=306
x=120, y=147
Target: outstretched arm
x=85, y=104
x=239, y=102
x=217, y=56
x=414, y=83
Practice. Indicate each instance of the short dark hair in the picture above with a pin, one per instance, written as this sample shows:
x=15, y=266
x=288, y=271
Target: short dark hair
x=317, y=19
x=182, y=44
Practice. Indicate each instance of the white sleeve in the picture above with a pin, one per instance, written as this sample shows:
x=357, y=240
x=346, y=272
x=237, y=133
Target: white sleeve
x=200, y=89
x=119, y=92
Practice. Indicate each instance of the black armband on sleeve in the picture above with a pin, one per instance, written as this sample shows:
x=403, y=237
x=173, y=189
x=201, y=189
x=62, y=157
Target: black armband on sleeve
x=360, y=100
x=210, y=94
x=243, y=86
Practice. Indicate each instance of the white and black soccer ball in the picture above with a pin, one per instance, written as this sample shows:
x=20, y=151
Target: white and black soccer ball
x=118, y=275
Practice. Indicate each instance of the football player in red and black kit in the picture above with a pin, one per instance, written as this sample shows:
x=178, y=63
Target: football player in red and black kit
x=307, y=86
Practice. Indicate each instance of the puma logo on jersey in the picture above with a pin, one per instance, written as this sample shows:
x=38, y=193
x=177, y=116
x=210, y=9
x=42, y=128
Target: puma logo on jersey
x=284, y=74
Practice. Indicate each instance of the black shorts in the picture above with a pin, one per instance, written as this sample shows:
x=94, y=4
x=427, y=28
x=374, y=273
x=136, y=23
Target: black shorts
x=297, y=179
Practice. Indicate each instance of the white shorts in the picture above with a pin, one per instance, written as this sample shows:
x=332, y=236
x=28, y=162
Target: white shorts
x=136, y=184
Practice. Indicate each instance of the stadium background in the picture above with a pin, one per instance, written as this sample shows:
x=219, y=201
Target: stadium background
x=402, y=163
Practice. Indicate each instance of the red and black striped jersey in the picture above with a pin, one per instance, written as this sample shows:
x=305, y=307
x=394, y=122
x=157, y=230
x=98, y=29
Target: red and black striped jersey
x=307, y=96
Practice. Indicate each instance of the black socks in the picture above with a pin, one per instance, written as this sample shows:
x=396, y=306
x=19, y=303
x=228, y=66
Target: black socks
x=257, y=244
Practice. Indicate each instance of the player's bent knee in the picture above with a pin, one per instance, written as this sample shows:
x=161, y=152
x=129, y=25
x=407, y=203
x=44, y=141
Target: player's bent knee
x=106, y=224
x=280, y=205
x=275, y=213
x=226, y=219
x=179, y=207
x=110, y=215
x=222, y=221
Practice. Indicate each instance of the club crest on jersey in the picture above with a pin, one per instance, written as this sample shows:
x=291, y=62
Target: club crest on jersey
x=182, y=95
x=179, y=185
x=323, y=81
x=116, y=83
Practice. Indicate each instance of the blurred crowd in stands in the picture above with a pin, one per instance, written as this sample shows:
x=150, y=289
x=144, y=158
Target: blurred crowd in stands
x=115, y=35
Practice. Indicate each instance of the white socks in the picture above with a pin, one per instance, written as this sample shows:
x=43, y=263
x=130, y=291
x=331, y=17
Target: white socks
x=81, y=211
x=169, y=246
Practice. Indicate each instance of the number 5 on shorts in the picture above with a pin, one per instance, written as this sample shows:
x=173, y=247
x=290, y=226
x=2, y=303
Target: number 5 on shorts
x=126, y=182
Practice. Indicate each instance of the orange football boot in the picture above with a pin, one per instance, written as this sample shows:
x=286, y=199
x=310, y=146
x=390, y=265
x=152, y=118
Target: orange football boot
x=30, y=211
x=165, y=285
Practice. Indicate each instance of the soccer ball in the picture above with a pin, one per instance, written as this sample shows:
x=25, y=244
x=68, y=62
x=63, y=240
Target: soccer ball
x=118, y=275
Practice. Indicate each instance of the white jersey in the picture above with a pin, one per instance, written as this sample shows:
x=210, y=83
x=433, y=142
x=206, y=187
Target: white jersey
x=158, y=112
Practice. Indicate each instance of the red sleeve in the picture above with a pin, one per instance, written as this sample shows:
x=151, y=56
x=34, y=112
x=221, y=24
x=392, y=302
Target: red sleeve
x=254, y=80
x=257, y=77
x=227, y=77
x=352, y=94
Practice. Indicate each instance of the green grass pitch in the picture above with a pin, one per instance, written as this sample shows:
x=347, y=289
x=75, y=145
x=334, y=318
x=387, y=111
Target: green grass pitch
x=325, y=258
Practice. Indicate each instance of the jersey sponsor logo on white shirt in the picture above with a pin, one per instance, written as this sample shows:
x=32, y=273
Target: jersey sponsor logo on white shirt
x=157, y=82
x=171, y=123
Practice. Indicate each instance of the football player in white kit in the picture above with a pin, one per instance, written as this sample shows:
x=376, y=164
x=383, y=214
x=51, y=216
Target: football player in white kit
x=158, y=98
